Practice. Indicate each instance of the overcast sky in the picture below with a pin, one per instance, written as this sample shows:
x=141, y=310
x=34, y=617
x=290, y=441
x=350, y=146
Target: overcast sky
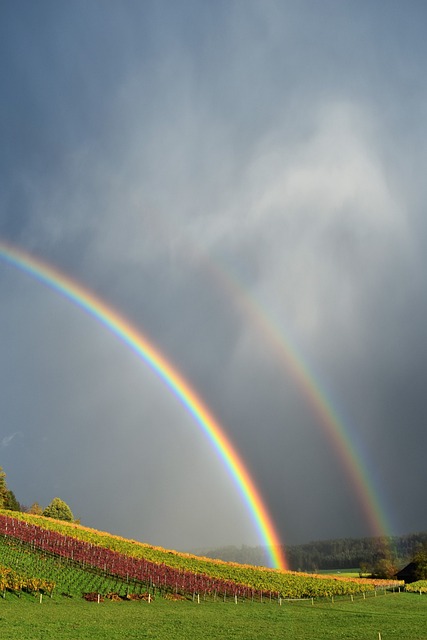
x=176, y=157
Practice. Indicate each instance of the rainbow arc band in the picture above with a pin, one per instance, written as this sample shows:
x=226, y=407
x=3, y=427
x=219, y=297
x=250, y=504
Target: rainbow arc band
x=142, y=347
x=337, y=431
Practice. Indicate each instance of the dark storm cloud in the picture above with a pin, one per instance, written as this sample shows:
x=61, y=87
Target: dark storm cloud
x=154, y=151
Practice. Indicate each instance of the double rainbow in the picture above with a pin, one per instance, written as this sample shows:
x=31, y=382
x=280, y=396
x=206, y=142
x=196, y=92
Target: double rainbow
x=142, y=347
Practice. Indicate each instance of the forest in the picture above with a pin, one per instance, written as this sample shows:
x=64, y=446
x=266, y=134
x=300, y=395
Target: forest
x=369, y=555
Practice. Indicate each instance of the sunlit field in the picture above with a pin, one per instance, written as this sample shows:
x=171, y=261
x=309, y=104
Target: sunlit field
x=398, y=616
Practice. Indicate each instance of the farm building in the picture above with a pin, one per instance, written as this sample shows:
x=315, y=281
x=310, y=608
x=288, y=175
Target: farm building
x=408, y=573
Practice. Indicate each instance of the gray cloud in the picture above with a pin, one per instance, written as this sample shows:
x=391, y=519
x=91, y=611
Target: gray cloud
x=177, y=161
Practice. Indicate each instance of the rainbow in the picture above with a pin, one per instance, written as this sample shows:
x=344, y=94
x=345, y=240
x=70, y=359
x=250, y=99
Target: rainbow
x=142, y=347
x=291, y=359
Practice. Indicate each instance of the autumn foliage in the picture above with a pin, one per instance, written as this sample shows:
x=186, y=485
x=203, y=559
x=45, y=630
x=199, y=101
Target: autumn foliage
x=172, y=572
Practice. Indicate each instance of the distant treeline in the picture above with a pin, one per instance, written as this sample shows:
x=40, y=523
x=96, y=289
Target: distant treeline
x=363, y=553
x=341, y=553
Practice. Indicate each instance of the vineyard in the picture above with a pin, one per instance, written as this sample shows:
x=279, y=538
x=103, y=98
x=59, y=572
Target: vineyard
x=77, y=559
x=417, y=587
x=35, y=571
x=11, y=580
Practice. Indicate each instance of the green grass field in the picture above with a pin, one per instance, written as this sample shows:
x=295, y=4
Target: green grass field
x=396, y=616
x=349, y=573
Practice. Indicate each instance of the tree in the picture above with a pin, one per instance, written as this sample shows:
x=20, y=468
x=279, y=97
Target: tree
x=3, y=488
x=59, y=510
x=385, y=568
x=364, y=569
x=10, y=502
x=36, y=509
x=420, y=559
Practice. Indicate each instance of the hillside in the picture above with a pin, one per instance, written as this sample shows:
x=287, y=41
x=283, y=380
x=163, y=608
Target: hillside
x=153, y=567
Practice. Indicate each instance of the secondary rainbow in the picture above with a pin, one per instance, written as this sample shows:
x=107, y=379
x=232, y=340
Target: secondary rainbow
x=141, y=346
x=291, y=359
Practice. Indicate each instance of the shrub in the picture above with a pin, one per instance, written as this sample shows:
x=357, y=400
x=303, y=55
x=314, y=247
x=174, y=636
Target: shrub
x=59, y=510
